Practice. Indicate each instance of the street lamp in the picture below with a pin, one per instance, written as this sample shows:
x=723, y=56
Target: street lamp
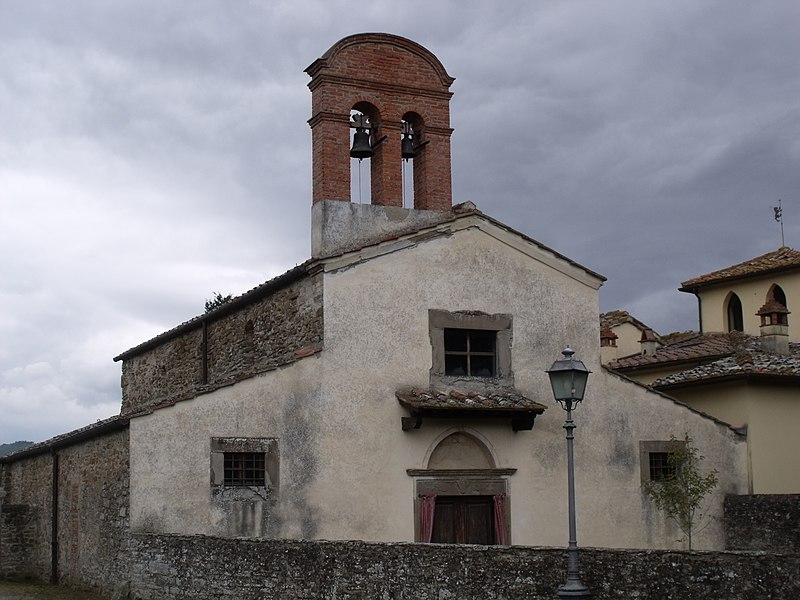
x=568, y=379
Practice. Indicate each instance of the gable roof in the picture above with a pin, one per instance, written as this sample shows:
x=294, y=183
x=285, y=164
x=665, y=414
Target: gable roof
x=615, y=318
x=461, y=216
x=782, y=259
x=713, y=356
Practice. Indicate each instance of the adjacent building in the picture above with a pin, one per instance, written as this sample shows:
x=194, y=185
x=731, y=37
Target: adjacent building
x=743, y=366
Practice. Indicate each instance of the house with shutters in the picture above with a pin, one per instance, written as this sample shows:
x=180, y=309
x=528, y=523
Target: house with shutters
x=743, y=366
x=392, y=387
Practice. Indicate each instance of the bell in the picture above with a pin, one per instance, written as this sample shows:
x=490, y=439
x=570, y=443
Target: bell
x=361, y=147
x=407, y=147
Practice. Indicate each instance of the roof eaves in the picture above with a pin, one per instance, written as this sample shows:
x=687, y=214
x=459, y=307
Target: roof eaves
x=115, y=423
x=253, y=295
x=675, y=401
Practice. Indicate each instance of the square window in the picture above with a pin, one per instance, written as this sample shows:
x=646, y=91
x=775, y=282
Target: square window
x=654, y=460
x=470, y=345
x=469, y=352
x=244, y=462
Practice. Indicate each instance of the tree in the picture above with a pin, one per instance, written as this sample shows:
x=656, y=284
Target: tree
x=217, y=300
x=680, y=495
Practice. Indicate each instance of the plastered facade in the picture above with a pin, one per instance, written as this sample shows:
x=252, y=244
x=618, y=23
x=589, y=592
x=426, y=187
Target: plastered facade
x=344, y=458
x=753, y=294
x=770, y=414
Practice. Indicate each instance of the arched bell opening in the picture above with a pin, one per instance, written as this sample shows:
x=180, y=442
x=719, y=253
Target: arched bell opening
x=410, y=146
x=364, y=119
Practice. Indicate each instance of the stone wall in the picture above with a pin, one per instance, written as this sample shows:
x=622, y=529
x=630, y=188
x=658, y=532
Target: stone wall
x=173, y=567
x=25, y=517
x=258, y=336
x=92, y=542
x=768, y=522
x=93, y=512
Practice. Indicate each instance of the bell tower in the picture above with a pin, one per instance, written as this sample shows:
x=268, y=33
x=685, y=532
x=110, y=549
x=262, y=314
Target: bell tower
x=402, y=94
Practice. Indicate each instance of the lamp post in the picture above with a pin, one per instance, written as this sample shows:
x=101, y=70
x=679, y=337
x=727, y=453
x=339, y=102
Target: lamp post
x=568, y=379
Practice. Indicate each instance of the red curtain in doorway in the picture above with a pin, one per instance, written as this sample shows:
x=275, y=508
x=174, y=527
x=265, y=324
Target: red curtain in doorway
x=500, y=519
x=426, y=510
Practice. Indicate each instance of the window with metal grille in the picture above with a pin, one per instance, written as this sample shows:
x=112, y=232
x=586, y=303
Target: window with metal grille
x=660, y=467
x=244, y=468
x=470, y=352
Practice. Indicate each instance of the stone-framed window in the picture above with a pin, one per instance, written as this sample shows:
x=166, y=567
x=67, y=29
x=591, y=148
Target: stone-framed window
x=654, y=460
x=470, y=345
x=245, y=462
x=244, y=485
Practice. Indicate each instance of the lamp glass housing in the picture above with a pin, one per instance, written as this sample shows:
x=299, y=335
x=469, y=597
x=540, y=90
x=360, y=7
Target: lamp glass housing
x=568, y=378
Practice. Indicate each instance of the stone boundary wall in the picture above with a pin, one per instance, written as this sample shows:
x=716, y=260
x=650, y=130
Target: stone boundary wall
x=275, y=330
x=769, y=522
x=197, y=568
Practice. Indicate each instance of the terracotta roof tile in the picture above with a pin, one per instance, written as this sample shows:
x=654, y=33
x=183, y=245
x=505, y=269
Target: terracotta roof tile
x=433, y=399
x=747, y=360
x=615, y=318
x=719, y=355
x=692, y=346
x=780, y=259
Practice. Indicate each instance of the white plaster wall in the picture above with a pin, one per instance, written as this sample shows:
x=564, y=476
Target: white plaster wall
x=376, y=332
x=343, y=454
x=171, y=452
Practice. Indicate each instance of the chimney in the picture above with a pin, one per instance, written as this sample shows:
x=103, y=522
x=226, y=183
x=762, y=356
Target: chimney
x=649, y=342
x=774, y=327
x=402, y=91
x=608, y=345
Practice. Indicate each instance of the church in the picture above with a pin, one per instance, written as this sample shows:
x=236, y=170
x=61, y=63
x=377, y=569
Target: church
x=393, y=387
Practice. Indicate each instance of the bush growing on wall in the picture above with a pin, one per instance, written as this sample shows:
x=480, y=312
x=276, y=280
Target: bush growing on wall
x=680, y=495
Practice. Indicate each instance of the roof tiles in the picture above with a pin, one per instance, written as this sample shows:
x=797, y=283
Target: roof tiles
x=778, y=260
x=715, y=355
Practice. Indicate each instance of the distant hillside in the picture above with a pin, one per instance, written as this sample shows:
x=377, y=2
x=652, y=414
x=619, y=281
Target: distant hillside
x=13, y=447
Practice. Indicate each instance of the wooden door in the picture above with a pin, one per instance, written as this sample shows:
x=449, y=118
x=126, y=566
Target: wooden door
x=463, y=520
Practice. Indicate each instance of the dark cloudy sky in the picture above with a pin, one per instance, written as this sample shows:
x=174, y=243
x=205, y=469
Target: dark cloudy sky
x=154, y=152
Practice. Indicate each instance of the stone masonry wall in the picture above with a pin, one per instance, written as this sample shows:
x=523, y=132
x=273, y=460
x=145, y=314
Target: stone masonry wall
x=266, y=334
x=768, y=522
x=175, y=567
x=93, y=512
x=25, y=508
x=93, y=480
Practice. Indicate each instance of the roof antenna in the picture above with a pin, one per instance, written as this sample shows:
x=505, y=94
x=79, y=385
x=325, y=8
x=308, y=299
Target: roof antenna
x=778, y=210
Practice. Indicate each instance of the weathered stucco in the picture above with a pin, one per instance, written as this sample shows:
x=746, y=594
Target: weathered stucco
x=344, y=457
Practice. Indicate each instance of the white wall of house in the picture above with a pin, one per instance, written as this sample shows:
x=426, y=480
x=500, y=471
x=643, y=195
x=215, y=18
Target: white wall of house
x=343, y=454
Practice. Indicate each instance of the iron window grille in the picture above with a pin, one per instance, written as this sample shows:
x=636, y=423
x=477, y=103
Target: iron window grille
x=660, y=467
x=244, y=468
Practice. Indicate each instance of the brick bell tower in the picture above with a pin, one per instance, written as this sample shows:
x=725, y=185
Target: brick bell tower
x=402, y=91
